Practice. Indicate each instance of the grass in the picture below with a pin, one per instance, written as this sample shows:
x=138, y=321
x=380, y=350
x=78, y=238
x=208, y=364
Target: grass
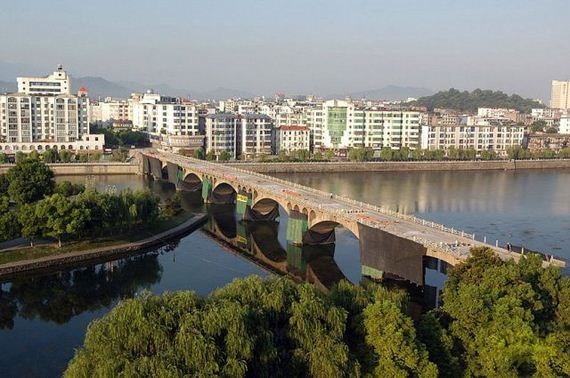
x=30, y=253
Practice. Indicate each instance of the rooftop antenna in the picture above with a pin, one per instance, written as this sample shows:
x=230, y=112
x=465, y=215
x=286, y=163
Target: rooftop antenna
x=60, y=67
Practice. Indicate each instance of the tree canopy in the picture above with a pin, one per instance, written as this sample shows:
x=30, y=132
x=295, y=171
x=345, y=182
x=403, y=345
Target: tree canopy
x=30, y=180
x=256, y=327
x=498, y=318
x=470, y=101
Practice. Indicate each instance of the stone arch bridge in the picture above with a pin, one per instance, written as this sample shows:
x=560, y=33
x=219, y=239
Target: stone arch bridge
x=392, y=241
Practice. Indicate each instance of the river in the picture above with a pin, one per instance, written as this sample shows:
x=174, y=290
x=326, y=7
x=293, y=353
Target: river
x=43, y=317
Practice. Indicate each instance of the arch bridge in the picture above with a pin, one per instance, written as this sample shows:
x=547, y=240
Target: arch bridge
x=388, y=239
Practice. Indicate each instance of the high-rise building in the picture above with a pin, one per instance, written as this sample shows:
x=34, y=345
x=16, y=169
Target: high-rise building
x=256, y=135
x=43, y=114
x=560, y=95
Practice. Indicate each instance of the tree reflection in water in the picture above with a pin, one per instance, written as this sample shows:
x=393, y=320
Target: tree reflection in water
x=58, y=297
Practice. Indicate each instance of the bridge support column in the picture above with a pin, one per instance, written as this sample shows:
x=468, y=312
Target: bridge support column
x=243, y=204
x=297, y=226
x=382, y=252
x=206, y=189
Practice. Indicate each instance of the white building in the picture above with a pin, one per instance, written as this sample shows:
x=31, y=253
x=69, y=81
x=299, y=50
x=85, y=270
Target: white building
x=115, y=110
x=292, y=138
x=491, y=137
x=46, y=116
x=222, y=133
x=161, y=115
x=565, y=124
x=58, y=83
x=560, y=95
x=341, y=124
x=256, y=135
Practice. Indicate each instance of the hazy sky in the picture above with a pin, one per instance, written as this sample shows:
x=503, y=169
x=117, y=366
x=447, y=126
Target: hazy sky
x=296, y=46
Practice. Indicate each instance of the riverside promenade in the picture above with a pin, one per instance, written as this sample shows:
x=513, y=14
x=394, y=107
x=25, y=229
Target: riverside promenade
x=409, y=237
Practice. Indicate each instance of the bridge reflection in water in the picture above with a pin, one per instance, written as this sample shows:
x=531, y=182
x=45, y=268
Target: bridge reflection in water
x=261, y=243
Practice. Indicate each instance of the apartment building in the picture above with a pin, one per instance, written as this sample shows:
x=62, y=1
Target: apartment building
x=496, y=137
x=560, y=95
x=256, y=135
x=46, y=116
x=162, y=115
x=222, y=134
x=341, y=124
x=292, y=138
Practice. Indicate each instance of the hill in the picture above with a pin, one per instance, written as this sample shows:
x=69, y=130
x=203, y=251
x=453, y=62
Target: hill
x=390, y=93
x=469, y=101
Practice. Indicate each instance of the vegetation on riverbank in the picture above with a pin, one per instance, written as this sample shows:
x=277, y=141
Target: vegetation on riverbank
x=497, y=319
x=33, y=206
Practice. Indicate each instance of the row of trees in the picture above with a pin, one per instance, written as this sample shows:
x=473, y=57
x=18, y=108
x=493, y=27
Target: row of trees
x=54, y=156
x=65, y=211
x=497, y=319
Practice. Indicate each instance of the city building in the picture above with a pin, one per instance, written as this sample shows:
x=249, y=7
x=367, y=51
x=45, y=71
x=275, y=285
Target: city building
x=162, y=116
x=565, y=124
x=256, y=135
x=44, y=115
x=560, y=95
x=58, y=83
x=292, y=138
x=496, y=137
x=342, y=124
x=222, y=134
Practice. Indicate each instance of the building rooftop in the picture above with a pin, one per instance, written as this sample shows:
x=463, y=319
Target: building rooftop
x=293, y=128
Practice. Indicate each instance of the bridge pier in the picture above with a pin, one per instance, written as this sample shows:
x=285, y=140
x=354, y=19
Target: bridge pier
x=297, y=226
x=381, y=251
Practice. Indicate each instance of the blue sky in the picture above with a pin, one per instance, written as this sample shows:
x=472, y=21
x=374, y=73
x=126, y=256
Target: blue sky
x=296, y=46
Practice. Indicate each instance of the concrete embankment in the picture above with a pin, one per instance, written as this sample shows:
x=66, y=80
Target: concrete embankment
x=71, y=169
x=101, y=254
x=396, y=166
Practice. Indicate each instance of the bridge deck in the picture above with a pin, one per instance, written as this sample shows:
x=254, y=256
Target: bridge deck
x=433, y=236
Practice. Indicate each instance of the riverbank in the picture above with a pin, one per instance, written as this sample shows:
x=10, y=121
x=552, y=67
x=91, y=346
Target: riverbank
x=106, y=252
x=399, y=166
x=82, y=169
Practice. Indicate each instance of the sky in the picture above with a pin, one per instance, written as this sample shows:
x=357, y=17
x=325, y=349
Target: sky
x=296, y=46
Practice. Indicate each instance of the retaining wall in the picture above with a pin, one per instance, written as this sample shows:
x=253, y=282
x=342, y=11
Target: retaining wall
x=308, y=167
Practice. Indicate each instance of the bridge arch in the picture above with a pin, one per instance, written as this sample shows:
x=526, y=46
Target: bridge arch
x=223, y=192
x=191, y=181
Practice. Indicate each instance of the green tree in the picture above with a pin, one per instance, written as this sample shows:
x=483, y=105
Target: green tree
x=198, y=153
x=68, y=189
x=31, y=224
x=63, y=218
x=386, y=154
x=8, y=228
x=50, y=156
x=538, y=126
x=30, y=180
x=4, y=184
x=318, y=156
x=211, y=155
x=552, y=130
x=20, y=156
x=224, y=156
x=488, y=155
x=34, y=155
x=329, y=155
x=3, y=158
x=64, y=156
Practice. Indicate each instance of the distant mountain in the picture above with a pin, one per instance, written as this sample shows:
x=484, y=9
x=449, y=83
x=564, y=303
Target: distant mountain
x=99, y=87
x=390, y=93
x=221, y=94
x=470, y=101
